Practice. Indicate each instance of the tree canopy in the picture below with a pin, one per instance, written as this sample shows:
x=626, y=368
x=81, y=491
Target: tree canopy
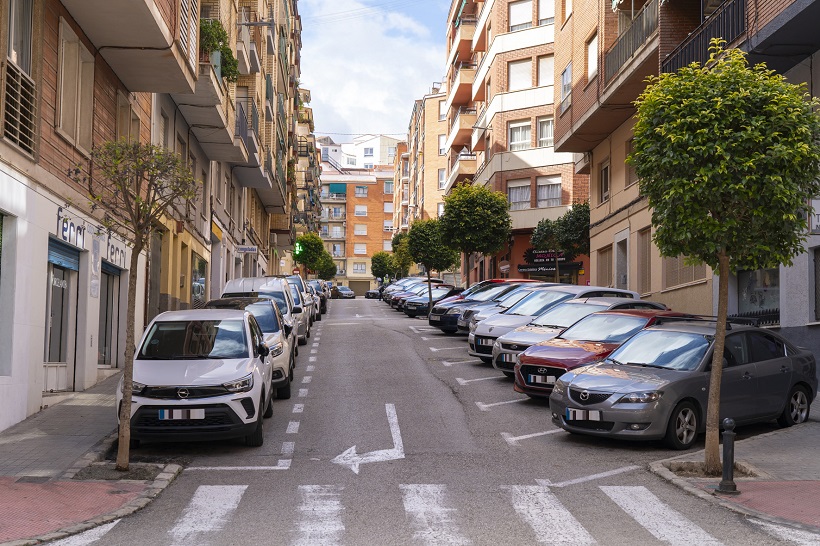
x=326, y=269
x=381, y=264
x=427, y=247
x=727, y=156
x=309, y=250
x=568, y=234
x=402, y=260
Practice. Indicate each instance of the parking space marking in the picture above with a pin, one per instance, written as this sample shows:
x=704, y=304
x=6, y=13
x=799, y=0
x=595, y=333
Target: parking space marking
x=310, y=368
x=449, y=363
x=311, y=359
x=315, y=345
x=293, y=427
x=303, y=393
x=486, y=407
x=420, y=329
x=513, y=440
x=313, y=351
x=465, y=381
x=447, y=349
x=298, y=408
x=589, y=478
x=287, y=448
x=283, y=464
x=307, y=379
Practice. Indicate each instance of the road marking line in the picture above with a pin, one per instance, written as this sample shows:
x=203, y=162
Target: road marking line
x=307, y=379
x=513, y=440
x=449, y=363
x=426, y=504
x=589, y=478
x=795, y=536
x=313, y=351
x=320, y=515
x=315, y=345
x=310, y=369
x=298, y=408
x=547, y=517
x=293, y=427
x=303, y=393
x=420, y=329
x=317, y=339
x=465, y=381
x=663, y=522
x=446, y=349
x=312, y=359
x=287, y=448
x=89, y=537
x=485, y=407
x=209, y=510
x=283, y=464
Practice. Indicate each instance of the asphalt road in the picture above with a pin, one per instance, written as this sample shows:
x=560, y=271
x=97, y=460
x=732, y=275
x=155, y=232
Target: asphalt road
x=446, y=453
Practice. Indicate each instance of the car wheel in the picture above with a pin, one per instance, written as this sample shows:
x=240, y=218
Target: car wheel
x=486, y=359
x=450, y=332
x=307, y=334
x=257, y=437
x=283, y=393
x=511, y=375
x=797, y=408
x=319, y=316
x=682, y=430
x=269, y=409
x=302, y=341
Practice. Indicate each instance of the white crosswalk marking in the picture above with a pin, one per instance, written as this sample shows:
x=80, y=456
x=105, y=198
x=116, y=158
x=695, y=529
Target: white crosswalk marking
x=208, y=511
x=426, y=504
x=789, y=534
x=320, y=516
x=89, y=537
x=664, y=523
x=548, y=518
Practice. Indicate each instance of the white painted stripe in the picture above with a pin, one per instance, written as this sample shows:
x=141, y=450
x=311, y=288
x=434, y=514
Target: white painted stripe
x=589, y=478
x=312, y=359
x=283, y=464
x=551, y=522
x=789, y=534
x=664, y=523
x=465, y=381
x=426, y=504
x=298, y=408
x=315, y=345
x=486, y=407
x=287, y=448
x=88, y=537
x=314, y=351
x=307, y=379
x=293, y=427
x=303, y=393
x=449, y=363
x=317, y=339
x=320, y=516
x=209, y=510
x=513, y=440
x=446, y=349
x=310, y=369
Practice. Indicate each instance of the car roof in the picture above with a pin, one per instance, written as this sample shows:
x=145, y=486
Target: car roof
x=200, y=314
x=580, y=289
x=701, y=325
x=646, y=313
x=234, y=303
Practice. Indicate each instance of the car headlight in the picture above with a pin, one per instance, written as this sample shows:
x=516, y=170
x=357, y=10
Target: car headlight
x=640, y=397
x=560, y=387
x=277, y=349
x=473, y=325
x=454, y=311
x=136, y=387
x=240, y=385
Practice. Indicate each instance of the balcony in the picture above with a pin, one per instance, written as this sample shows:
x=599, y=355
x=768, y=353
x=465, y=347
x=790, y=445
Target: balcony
x=243, y=44
x=337, y=197
x=334, y=217
x=270, y=39
x=334, y=235
x=269, y=98
x=463, y=31
x=461, y=84
x=254, y=137
x=529, y=218
x=480, y=37
x=140, y=45
x=282, y=118
x=643, y=26
x=461, y=129
x=463, y=168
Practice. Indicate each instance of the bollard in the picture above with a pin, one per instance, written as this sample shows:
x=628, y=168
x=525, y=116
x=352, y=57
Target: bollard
x=727, y=484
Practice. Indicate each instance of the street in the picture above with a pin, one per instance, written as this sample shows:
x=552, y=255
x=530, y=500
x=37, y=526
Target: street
x=395, y=436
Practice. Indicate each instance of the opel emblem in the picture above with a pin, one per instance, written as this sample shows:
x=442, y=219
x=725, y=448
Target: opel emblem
x=542, y=371
x=584, y=395
x=183, y=393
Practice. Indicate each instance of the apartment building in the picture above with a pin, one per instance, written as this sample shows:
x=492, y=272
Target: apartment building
x=500, y=116
x=83, y=72
x=308, y=212
x=603, y=55
x=401, y=194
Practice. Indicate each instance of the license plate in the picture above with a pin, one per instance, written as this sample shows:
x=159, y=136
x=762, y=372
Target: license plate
x=181, y=414
x=582, y=415
x=543, y=379
x=434, y=318
x=481, y=341
x=508, y=357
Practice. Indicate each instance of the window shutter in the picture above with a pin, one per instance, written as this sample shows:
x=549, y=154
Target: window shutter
x=520, y=14
x=546, y=70
x=520, y=74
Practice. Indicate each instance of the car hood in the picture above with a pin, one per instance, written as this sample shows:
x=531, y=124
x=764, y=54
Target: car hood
x=498, y=325
x=529, y=335
x=192, y=372
x=605, y=376
x=487, y=311
x=564, y=353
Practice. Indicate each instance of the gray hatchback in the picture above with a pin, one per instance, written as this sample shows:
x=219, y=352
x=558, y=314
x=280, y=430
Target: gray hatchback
x=656, y=385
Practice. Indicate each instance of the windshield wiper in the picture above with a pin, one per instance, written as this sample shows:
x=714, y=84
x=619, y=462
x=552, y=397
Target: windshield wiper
x=614, y=361
x=646, y=365
x=555, y=326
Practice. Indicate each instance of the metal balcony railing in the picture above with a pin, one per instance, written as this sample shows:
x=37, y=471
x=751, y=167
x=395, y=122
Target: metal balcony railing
x=727, y=22
x=241, y=123
x=643, y=26
x=462, y=110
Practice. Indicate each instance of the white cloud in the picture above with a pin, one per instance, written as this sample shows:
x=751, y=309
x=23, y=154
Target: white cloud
x=364, y=72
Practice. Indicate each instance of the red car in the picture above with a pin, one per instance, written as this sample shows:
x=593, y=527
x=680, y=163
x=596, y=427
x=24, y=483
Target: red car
x=590, y=339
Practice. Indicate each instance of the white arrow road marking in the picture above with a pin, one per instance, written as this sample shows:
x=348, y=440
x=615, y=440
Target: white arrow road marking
x=89, y=537
x=465, y=381
x=351, y=459
x=547, y=517
x=320, y=515
x=427, y=505
x=449, y=363
x=664, y=523
x=209, y=510
x=513, y=440
x=788, y=534
x=589, y=478
x=486, y=407
x=446, y=349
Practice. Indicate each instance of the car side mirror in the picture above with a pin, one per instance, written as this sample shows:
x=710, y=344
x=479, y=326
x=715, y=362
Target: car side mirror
x=264, y=350
x=288, y=329
x=297, y=309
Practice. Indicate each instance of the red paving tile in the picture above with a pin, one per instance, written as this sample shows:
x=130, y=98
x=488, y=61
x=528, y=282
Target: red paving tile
x=793, y=500
x=33, y=509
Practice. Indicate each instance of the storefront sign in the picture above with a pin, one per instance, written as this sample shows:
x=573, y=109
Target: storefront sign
x=572, y=266
x=96, y=260
x=533, y=256
x=68, y=231
x=247, y=249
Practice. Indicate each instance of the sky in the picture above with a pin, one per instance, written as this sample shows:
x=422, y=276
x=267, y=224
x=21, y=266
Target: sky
x=366, y=61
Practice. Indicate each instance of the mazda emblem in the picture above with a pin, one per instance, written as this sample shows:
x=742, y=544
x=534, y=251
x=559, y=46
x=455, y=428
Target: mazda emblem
x=514, y=347
x=543, y=371
x=584, y=396
x=183, y=393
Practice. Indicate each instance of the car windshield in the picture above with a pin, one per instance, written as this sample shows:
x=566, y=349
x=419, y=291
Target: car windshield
x=566, y=314
x=265, y=316
x=278, y=297
x=190, y=339
x=664, y=349
x=297, y=295
x=537, y=302
x=605, y=328
x=511, y=298
x=344, y=289
x=490, y=293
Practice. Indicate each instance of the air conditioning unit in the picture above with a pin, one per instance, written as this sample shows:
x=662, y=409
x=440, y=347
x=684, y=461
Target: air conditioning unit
x=274, y=239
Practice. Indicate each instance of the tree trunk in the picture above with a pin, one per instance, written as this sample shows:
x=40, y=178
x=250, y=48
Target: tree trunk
x=123, y=450
x=466, y=268
x=712, y=452
x=557, y=273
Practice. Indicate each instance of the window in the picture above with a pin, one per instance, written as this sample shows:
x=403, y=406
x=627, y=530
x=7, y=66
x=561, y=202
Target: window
x=546, y=70
x=387, y=245
x=758, y=290
x=519, y=135
x=605, y=266
x=19, y=115
x=603, y=183
x=337, y=251
x=518, y=194
x=388, y=206
x=546, y=12
x=19, y=51
x=545, y=129
x=350, y=161
x=676, y=272
x=368, y=152
x=442, y=110
x=337, y=232
x=388, y=225
x=631, y=175
x=360, y=267
x=442, y=179
x=520, y=15
x=76, y=88
x=361, y=210
x=128, y=124
x=361, y=191
x=360, y=229
x=324, y=231
x=566, y=87
x=441, y=140
x=519, y=75
x=440, y=210
x=549, y=191
x=567, y=9
x=592, y=57
x=388, y=187
x=360, y=248
x=368, y=165
x=645, y=261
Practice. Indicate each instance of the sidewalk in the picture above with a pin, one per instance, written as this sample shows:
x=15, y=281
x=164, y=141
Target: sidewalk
x=39, y=501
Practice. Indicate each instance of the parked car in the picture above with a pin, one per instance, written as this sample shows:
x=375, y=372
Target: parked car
x=317, y=302
x=345, y=292
x=483, y=335
x=318, y=286
x=279, y=337
x=482, y=285
x=549, y=324
x=420, y=305
x=404, y=284
x=373, y=293
x=301, y=314
x=397, y=298
x=656, y=385
x=486, y=309
x=444, y=316
x=202, y=374
x=590, y=339
x=274, y=288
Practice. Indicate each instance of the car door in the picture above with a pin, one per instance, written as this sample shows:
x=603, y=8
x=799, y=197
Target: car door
x=257, y=338
x=774, y=371
x=739, y=384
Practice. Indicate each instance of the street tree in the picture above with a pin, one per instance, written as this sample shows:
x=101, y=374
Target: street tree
x=309, y=250
x=141, y=184
x=427, y=247
x=727, y=156
x=567, y=235
x=380, y=264
x=476, y=220
x=327, y=267
x=402, y=260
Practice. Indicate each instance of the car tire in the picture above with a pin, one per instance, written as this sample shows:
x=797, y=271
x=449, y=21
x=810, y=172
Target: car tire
x=797, y=408
x=257, y=437
x=302, y=341
x=307, y=334
x=269, y=408
x=319, y=316
x=510, y=375
x=283, y=393
x=682, y=429
x=486, y=359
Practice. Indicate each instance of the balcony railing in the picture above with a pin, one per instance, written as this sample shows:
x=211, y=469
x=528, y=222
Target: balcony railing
x=461, y=110
x=241, y=123
x=728, y=22
x=643, y=26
